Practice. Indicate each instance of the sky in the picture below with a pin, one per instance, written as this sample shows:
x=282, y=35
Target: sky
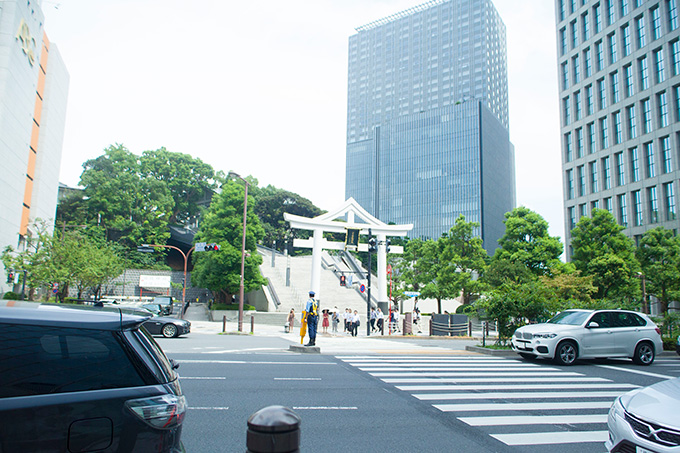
x=260, y=87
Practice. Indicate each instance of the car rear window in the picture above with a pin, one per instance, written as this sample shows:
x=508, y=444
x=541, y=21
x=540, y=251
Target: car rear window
x=37, y=360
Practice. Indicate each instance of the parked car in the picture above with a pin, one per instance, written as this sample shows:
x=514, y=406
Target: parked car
x=677, y=345
x=82, y=379
x=574, y=334
x=646, y=420
x=168, y=327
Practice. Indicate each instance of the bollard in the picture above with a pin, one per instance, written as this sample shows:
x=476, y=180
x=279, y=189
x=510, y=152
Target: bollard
x=252, y=324
x=224, y=324
x=274, y=429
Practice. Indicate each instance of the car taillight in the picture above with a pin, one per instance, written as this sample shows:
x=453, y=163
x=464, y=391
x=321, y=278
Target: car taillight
x=163, y=412
x=658, y=330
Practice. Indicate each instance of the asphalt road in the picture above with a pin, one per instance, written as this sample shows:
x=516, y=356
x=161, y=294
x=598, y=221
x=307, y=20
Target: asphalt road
x=400, y=400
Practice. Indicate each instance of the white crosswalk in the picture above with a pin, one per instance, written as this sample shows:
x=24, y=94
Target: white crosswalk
x=517, y=403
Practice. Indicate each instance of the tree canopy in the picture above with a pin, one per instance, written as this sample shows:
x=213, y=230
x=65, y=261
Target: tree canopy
x=659, y=257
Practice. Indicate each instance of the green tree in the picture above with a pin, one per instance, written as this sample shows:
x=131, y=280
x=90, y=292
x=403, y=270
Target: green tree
x=223, y=223
x=659, y=257
x=526, y=240
x=602, y=250
x=433, y=271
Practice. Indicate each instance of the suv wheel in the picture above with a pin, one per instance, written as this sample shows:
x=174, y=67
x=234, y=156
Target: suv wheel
x=169, y=331
x=566, y=354
x=644, y=354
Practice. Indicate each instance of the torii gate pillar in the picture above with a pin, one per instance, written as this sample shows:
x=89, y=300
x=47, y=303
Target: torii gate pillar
x=316, y=260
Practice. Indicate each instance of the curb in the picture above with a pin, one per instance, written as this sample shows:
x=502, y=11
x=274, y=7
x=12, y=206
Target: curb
x=493, y=352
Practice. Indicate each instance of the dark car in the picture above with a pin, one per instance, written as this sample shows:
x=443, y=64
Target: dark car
x=162, y=325
x=83, y=380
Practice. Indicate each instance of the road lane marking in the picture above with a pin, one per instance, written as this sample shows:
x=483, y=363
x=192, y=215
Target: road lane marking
x=644, y=373
x=582, y=386
x=534, y=420
x=507, y=379
x=463, y=374
x=201, y=378
x=297, y=379
x=514, y=395
x=560, y=437
x=324, y=408
x=216, y=408
x=462, y=369
x=474, y=407
x=245, y=362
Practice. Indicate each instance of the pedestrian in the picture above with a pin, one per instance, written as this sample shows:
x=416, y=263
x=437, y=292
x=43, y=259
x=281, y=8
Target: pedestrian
x=348, y=320
x=291, y=320
x=335, y=319
x=416, y=319
x=312, y=317
x=324, y=322
x=381, y=321
x=355, y=323
x=374, y=316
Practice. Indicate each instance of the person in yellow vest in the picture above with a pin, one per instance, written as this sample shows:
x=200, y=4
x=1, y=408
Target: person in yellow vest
x=312, y=314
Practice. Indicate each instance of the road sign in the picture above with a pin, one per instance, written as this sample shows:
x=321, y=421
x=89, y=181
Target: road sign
x=362, y=288
x=200, y=246
x=412, y=293
x=144, y=249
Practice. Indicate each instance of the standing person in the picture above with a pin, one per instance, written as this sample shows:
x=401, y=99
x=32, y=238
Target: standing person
x=374, y=316
x=312, y=316
x=381, y=321
x=324, y=322
x=291, y=320
x=335, y=319
x=355, y=323
x=348, y=319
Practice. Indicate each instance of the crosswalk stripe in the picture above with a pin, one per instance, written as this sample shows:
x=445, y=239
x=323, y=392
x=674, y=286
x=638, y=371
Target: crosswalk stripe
x=514, y=395
x=462, y=370
x=407, y=357
x=534, y=420
x=581, y=386
x=560, y=437
x=523, y=406
x=463, y=366
x=464, y=374
x=429, y=380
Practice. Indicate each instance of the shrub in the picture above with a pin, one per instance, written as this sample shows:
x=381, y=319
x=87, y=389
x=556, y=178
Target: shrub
x=11, y=295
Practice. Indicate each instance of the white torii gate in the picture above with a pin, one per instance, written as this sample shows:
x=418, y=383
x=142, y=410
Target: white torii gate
x=350, y=211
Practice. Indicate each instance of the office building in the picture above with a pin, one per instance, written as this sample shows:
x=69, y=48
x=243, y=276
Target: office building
x=33, y=94
x=619, y=83
x=427, y=119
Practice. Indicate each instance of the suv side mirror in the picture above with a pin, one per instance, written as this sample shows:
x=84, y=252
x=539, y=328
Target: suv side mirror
x=174, y=364
x=592, y=325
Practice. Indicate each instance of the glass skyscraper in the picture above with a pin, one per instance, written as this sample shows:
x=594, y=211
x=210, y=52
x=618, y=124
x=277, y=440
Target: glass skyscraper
x=427, y=119
x=619, y=80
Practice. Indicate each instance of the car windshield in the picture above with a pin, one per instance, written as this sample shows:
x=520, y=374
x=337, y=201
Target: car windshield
x=572, y=318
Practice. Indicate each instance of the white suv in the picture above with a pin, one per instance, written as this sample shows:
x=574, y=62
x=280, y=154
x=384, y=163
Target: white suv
x=574, y=334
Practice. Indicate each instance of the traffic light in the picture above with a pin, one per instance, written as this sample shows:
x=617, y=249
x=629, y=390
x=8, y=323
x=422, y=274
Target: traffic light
x=212, y=247
x=387, y=246
x=342, y=280
x=10, y=277
x=372, y=248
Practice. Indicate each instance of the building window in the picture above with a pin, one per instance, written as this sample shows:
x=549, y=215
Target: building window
x=667, y=155
x=581, y=181
x=675, y=57
x=649, y=158
x=656, y=24
x=589, y=100
x=632, y=130
x=593, y=177
x=634, y=165
x=572, y=6
x=570, y=184
x=567, y=110
x=565, y=76
x=569, y=151
x=597, y=12
x=611, y=18
x=646, y=116
x=618, y=130
x=585, y=26
x=572, y=218
x=620, y=170
x=608, y=204
x=602, y=90
x=592, y=142
x=563, y=11
x=628, y=80
x=623, y=210
x=644, y=75
x=672, y=15
x=583, y=210
x=574, y=35
x=658, y=65
x=615, y=87
x=676, y=94
x=563, y=41
x=637, y=208
x=670, y=201
x=588, y=67
x=624, y=7
x=606, y=174
x=577, y=105
x=577, y=69
x=599, y=53
x=663, y=109
x=625, y=32
x=579, y=142
x=612, y=49
x=605, y=133
x=641, y=36
x=653, y=205
x=638, y=3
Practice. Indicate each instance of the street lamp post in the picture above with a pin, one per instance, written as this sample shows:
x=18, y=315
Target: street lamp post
x=186, y=256
x=243, y=253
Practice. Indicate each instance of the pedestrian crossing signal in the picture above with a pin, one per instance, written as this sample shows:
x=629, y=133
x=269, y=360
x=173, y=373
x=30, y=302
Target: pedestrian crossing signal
x=343, y=281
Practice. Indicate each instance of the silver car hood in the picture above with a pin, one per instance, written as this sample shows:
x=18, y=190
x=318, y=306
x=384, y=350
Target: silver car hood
x=657, y=403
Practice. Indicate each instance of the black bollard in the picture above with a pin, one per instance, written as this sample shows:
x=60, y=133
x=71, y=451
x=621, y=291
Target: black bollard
x=274, y=429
